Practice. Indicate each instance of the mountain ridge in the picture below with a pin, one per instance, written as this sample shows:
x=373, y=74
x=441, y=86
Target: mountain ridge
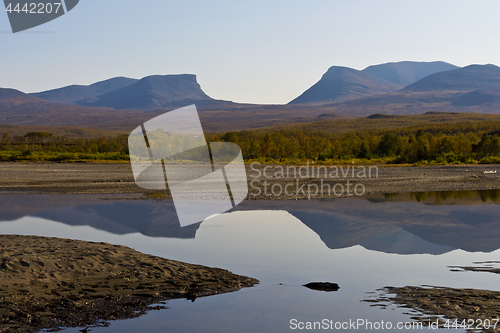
x=472, y=89
x=75, y=94
x=153, y=91
x=342, y=83
x=408, y=72
x=468, y=78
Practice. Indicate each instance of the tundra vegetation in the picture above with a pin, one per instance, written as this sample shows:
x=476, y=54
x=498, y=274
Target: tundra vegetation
x=422, y=144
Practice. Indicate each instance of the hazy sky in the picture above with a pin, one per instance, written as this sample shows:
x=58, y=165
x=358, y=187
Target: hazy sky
x=259, y=51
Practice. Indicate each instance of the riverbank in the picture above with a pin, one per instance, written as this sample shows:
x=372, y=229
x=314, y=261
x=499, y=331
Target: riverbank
x=307, y=181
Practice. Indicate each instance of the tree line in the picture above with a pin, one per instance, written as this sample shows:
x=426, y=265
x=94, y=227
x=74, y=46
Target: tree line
x=466, y=142
x=47, y=146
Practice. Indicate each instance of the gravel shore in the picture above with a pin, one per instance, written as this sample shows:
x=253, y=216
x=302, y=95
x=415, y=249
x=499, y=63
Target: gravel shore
x=312, y=181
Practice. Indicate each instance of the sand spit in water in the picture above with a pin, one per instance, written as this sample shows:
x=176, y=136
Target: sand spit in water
x=52, y=282
x=478, y=309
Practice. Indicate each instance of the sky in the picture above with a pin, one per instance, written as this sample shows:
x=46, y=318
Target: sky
x=259, y=51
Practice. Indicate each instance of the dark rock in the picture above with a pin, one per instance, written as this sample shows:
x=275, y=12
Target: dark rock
x=322, y=286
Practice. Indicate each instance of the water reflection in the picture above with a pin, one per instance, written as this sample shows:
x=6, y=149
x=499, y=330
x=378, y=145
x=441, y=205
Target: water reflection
x=442, y=197
x=396, y=227
x=410, y=223
x=283, y=252
x=148, y=217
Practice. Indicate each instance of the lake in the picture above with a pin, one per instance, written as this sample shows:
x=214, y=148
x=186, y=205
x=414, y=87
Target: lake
x=362, y=244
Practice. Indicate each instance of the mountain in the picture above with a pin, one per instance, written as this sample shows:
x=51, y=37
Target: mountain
x=18, y=108
x=408, y=72
x=343, y=83
x=13, y=96
x=342, y=92
x=468, y=78
x=475, y=88
x=76, y=94
x=477, y=97
x=154, y=92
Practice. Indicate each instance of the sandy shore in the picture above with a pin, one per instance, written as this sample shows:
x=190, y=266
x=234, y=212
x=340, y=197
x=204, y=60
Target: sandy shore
x=51, y=282
x=476, y=309
x=481, y=266
x=118, y=178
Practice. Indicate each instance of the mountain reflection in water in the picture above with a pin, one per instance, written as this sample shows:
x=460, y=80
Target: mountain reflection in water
x=408, y=223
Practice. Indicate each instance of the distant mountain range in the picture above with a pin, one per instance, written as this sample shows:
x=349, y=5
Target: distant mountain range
x=392, y=88
x=163, y=91
x=407, y=72
x=76, y=94
x=342, y=83
x=474, y=88
x=153, y=92
x=8, y=96
x=392, y=83
x=462, y=79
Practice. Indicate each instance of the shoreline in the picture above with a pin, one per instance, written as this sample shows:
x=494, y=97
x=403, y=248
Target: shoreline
x=93, y=178
x=48, y=283
x=474, y=310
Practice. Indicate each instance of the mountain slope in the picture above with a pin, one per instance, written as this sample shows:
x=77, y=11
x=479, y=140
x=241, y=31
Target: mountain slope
x=348, y=93
x=408, y=72
x=18, y=108
x=154, y=92
x=475, y=88
x=342, y=83
x=78, y=93
x=13, y=96
x=469, y=78
x=477, y=97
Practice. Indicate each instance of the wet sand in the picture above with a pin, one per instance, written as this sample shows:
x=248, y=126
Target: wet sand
x=480, y=266
x=479, y=308
x=52, y=282
x=118, y=178
x=475, y=309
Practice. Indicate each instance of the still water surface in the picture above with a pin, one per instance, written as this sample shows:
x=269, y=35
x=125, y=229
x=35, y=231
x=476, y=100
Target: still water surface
x=362, y=244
